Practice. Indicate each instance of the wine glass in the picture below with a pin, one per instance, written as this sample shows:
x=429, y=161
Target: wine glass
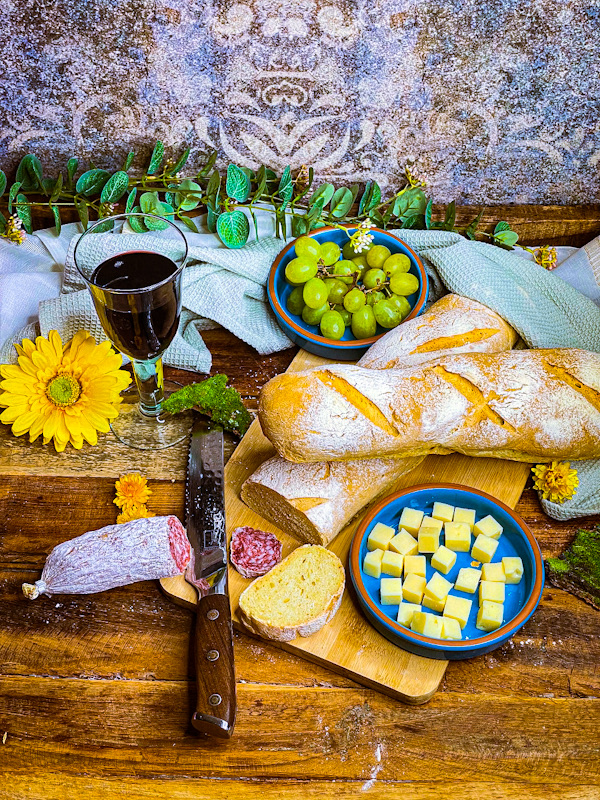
x=135, y=283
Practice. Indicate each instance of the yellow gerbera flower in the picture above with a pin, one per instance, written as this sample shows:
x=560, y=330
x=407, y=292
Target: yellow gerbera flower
x=134, y=512
x=557, y=481
x=66, y=393
x=132, y=491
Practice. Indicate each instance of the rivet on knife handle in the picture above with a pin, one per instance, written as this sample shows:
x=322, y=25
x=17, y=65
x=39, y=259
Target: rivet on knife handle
x=215, y=672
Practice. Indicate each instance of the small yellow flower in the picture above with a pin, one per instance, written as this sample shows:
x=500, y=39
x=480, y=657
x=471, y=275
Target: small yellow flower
x=413, y=178
x=132, y=490
x=557, y=481
x=134, y=512
x=545, y=256
x=14, y=230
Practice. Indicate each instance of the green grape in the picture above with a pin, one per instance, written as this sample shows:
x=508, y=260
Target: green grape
x=361, y=265
x=386, y=314
x=354, y=300
x=300, y=270
x=402, y=304
x=373, y=277
x=404, y=283
x=312, y=316
x=315, y=293
x=330, y=252
x=332, y=325
x=344, y=268
x=397, y=262
x=345, y=315
x=295, y=301
x=364, y=323
x=308, y=247
x=336, y=288
x=377, y=256
x=375, y=297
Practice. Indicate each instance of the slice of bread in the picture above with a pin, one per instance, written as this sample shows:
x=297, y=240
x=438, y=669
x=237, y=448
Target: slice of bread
x=297, y=597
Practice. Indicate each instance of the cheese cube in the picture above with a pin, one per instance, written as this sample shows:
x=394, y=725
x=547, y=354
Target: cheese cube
x=372, y=563
x=391, y=563
x=404, y=543
x=406, y=611
x=513, y=569
x=465, y=515
x=427, y=624
x=413, y=588
x=451, y=628
x=458, y=608
x=430, y=522
x=390, y=590
x=493, y=572
x=489, y=527
x=438, y=587
x=484, y=548
x=429, y=540
x=443, y=559
x=416, y=564
x=380, y=537
x=410, y=520
x=491, y=590
x=467, y=580
x=443, y=511
x=434, y=603
x=457, y=536
x=489, y=616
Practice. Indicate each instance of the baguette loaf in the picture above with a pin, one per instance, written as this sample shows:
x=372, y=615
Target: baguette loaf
x=524, y=405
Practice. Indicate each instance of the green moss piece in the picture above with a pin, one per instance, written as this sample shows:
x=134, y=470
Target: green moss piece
x=214, y=398
x=578, y=568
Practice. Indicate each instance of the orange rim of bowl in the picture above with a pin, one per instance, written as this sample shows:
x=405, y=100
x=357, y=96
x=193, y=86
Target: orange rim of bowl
x=351, y=342
x=504, y=630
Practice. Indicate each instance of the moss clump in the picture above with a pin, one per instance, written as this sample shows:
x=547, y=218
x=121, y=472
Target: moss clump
x=578, y=568
x=214, y=398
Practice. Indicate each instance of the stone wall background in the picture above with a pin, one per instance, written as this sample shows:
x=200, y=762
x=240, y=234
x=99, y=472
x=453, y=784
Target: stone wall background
x=498, y=100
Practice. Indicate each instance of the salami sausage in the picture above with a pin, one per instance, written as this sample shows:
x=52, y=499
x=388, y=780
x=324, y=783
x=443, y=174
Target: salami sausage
x=253, y=553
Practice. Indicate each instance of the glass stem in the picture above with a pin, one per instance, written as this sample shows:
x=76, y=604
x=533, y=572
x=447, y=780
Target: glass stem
x=150, y=382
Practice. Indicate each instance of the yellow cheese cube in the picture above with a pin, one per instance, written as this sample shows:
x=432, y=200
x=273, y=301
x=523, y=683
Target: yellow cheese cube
x=413, y=588
x=391, y=563
x=451, y=628
x=467, y=580
x=390, y=590
x=465, y=515
x=438, y=587
x=410, y=520
x=489, y=527
x=491, y=590
x=489, y=616
x=404, y=543
x=416, y=564
x=457, y=536
x=430, y=522
x=484, y=548
x=513, y=569
x=434, y=603
x=458, y=608
x=372, y=563
x=406, y=611
x=429, y=540
x=493, y=572
x=427, y=624
x=443, y=559
x=443, y=511
x=380, y=537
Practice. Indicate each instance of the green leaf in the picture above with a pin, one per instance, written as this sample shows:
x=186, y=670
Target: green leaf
x=471, y=228
x=128, y=161
x=341, y=202
x=414, y=222
x=233, y=228
x=24, y=212
x=156, y=158
x=315, y=211
x=299, y=225
x=410, y=202
x=211, y=220
x=48, y=185
x=83, y=211
x=354, y=189
x=428, y=211
x=130, y=200
x=189, y=223
x=371, y=197
x=188, y=203
x=238, y=184
x=261, y=185
x=450, y=216
x=14, y=190
x=377, y=218
x=149, y=202
x=57, y=189
x=2, y=183
x=507, y=237
x=501, y=226
x=104, y=227
x=155, y=224
x=56, y=212
x=137, y=223
x=91, y=182
x=72, y=165
x=286, y=187
x=209, y=165
x=180, y=163
x=325, y=191
x=212, y=188
x=30, y=173
x=115, y=187
x=2, y=222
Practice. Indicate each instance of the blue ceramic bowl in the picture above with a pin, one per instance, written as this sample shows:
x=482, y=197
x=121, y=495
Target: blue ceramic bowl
x=308, y=336
x=516, y=540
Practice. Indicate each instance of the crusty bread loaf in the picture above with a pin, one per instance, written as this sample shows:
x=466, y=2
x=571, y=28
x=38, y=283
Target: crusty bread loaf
x=297, y=597
x=524, y=405
x=451, y=326
x=313, y=502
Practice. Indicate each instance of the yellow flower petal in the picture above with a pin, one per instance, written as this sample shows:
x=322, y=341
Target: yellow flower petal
x=10, y=414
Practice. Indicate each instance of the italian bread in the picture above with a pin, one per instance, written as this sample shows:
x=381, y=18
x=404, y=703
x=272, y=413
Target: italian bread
x=524, y=405
x=313, y=502
x=297, y=597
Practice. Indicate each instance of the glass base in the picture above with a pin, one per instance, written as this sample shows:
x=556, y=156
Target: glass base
x=136, y=430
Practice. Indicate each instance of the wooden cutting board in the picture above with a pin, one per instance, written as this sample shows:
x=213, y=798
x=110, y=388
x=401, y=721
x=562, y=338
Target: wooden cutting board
x=349, y=644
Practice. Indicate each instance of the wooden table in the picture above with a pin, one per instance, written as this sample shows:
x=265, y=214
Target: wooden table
x=96, y=691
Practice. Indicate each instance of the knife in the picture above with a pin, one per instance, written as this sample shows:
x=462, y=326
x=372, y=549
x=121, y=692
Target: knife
x=205, y=504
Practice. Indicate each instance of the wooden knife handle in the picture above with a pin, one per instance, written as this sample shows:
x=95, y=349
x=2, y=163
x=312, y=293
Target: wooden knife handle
x=215, y=671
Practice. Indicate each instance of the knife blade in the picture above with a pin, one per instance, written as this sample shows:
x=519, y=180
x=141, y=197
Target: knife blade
x=205, y=522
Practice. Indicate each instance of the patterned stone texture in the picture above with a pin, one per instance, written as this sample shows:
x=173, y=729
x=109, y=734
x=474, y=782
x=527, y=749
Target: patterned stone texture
x=497, y=101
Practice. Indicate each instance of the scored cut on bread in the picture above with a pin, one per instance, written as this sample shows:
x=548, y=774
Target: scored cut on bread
x=297, y=597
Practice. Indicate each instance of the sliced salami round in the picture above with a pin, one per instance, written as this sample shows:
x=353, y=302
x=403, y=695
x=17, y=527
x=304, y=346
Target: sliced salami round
x=253, y=553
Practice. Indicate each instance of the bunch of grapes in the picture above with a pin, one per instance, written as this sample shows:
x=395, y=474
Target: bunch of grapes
x=338, y=288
